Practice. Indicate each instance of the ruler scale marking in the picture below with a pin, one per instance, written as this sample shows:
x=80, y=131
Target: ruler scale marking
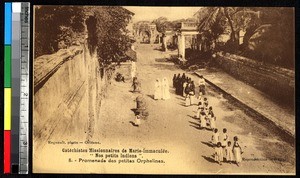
x=24, y=89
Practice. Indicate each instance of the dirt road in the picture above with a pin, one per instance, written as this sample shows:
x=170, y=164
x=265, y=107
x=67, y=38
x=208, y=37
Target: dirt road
x=171, y=127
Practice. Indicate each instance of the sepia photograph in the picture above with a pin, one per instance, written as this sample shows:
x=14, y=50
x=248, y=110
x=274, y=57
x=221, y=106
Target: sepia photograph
x=163, y=90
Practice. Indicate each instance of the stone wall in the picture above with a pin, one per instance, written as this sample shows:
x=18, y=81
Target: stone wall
x=279, y=83
x=67, y=94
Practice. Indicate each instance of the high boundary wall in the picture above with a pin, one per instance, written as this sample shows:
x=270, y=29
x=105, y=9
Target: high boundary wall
x=278, y=83
x=68, y=90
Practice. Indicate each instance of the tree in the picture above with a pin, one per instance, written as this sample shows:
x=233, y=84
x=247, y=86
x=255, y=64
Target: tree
x=162, y=24
x=111, y=33
x=54, y=24
x=236, y=18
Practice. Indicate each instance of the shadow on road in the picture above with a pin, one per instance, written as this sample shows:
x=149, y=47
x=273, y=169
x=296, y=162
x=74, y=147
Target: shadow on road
x=163, y=60
x=133, y=124
x=193, y=117
x=151, y=96
x=164, y=66
x=208, y=144
x=195, y=125
x=210, y=159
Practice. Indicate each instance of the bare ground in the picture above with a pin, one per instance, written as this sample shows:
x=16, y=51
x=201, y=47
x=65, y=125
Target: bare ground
x=171, y=126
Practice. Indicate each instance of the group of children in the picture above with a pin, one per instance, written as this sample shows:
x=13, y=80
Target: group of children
x=224, y=149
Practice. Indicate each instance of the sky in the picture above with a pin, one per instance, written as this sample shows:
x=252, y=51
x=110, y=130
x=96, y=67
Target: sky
x=151, y=13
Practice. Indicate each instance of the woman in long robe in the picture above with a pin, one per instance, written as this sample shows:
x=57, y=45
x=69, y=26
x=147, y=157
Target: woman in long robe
x=237, y=151
x=165, y=89
x=158, y=90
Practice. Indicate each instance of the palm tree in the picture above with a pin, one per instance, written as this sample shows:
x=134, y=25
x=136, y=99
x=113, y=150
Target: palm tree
x=236, y=18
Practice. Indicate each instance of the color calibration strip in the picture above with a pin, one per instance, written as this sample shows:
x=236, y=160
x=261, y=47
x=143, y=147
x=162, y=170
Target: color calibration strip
x=16, y=87
x=7, y=86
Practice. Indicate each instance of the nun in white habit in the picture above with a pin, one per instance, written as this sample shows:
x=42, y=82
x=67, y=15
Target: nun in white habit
x=165, y=89
x=158, y=90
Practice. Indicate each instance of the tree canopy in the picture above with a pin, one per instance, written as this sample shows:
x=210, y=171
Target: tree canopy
x=105, y=28
x=269, y=31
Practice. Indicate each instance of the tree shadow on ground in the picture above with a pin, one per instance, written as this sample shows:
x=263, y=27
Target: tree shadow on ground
x=209, y=159
x=163, y=60
x=164, y=66
x=208, y=144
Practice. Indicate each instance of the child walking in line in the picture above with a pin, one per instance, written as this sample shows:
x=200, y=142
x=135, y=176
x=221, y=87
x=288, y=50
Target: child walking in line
x=198, y=111
x=229, y=153
x=184, y=85
x=212, y=121
x=210, y=110
x=224, y=138
x=202, y=120
x=237, y=151
x=200, y=96
x=219, y=153
x=205, y=102
x=215, y=137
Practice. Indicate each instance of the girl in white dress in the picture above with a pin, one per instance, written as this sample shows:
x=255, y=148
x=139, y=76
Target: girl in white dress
x=198, y=111
x=229, y=153
x=165, y=89
x=215, y=137
x=202, y=120
x=158, y=90
x=237, y=151
x=224, y=138
x=212, y=122
x=219, y=153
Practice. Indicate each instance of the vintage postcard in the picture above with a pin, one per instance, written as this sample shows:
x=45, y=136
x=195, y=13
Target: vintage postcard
x=164, y=90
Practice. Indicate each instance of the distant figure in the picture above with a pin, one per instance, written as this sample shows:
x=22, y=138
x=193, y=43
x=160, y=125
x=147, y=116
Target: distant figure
x=120, y=78
x=237, y=151
x=229, y=153
x=158, y=90
x=184, y=85
x=174, y=80
x=177, y=83
x=141, y=107
x=192, y=93
x=201, y=85
x=180, y=83
x=136, y=85
x=137, y=119
x=133, y=69
x=219, y=153
x=165, y=89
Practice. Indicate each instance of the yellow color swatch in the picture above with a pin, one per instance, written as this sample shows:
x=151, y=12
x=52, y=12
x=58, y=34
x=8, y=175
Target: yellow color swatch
x=7, y=108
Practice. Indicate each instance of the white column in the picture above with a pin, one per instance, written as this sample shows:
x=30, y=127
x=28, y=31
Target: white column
x=179, y=45
x=183, y=46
